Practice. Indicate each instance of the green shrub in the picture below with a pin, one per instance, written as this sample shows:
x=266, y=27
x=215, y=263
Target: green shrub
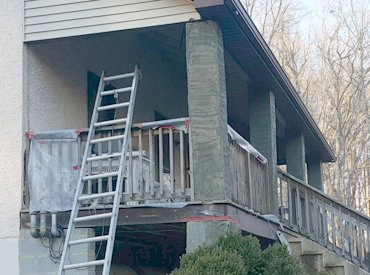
x=238, y=255
x=211, y=261
x=247, y=247
x=276, y=260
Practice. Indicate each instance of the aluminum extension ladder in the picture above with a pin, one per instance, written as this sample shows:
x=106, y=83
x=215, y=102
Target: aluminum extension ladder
x=85, y=176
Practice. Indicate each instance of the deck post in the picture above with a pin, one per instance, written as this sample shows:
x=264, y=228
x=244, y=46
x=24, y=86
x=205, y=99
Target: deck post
x=207, y=110
x=314, y=173
x=263, y=137
x=205, y=233
x=295, y=157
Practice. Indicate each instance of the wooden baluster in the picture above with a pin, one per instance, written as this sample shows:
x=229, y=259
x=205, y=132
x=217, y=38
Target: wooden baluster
x=130, y=186
x=182, y=163
x=351, y=241
x=100, y=180
x=141, y=182
x=298, y=208
x=308, y=230
x=191, y=164
x=161, y=189
x=333, y=227
x=172, y=176
x=290, y=202
x=110, y=179
x=315, y=218
x=152, y=167
x=251, y=187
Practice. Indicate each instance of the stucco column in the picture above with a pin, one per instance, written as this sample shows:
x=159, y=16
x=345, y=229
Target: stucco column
x=314, y=173
x=295, y=157
x=12, y=134
x=207, y=110
x=262, y=124
x=205, y=233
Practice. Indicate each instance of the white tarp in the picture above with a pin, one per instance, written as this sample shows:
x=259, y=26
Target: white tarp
x=245, y=144
x=53, y=170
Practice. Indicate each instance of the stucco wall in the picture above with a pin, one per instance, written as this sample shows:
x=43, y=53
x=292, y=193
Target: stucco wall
x=11, y=131
x=56, y=86
x=57, y=78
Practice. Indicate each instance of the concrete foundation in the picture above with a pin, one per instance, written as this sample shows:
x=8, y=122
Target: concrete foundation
x=207, y=110
x=204, y=233
x=34, y=254
x=263, y=138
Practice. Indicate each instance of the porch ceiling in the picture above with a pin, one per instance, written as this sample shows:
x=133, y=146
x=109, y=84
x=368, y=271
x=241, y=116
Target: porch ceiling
x=243, y=41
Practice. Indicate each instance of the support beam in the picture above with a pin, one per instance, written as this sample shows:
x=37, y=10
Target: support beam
x=295, y=157
x=207, y=110
x=314, y=173
x=263, y=137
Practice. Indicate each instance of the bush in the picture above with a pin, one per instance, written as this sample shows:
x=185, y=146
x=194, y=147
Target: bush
x=248, y=248
x=211, y=261
x=276, y=260
x=238, y=255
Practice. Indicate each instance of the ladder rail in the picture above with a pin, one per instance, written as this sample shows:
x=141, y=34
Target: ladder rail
x=117, y=198
x=79, y=189
x=83, y=176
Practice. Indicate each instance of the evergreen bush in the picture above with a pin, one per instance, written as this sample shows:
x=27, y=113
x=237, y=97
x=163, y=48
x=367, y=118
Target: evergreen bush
x=234, y=254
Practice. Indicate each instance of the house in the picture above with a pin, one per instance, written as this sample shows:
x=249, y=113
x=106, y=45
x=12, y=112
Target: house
x=221, y=141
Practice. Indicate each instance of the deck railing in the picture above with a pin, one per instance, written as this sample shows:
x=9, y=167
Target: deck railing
x=312, y=213
x=158, y=162
x=157, y=167
x=248, y=171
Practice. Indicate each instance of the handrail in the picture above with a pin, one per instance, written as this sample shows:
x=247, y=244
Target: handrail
x=145, y=125
x=248, y=173
x=323, y=194
x=323, y=219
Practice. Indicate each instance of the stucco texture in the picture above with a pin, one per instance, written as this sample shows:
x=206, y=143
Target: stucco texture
x=11, y=167
x=56, y=73
x=10, y=116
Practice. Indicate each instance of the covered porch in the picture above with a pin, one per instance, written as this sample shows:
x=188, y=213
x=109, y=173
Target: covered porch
x=213, y=123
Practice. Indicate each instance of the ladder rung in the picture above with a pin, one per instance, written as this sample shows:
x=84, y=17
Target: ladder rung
x=115, y=155
x=93, y=141
x=113, y=106
x=99, y=176
x=120, y=76
x=93, y=217
x=85, y=264
x=89, y=240
x=116, y=91
x=96, y=196
x=110, y=122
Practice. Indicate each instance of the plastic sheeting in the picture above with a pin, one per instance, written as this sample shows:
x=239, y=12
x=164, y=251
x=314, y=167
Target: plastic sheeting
x=53, y=170
x=245, y=144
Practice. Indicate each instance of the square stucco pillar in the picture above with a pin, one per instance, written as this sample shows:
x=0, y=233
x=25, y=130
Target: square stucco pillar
x=295, y=157
x=205, y=233
x=314, y=173
x=262, y=125
x=207, y=110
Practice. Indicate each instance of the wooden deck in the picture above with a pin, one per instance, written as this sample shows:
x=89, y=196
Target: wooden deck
x=177, y=213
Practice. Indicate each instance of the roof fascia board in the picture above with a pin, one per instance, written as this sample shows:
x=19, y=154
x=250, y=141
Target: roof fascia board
x=198, y=4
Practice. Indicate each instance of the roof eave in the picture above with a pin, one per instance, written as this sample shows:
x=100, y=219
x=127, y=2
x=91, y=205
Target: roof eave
x=246, y=24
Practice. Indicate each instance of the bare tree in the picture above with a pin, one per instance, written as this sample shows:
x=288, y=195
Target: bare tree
x=333, y=78
x=344, y=47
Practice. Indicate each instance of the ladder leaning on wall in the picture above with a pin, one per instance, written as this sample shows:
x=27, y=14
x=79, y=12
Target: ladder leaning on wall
x=85, y=175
